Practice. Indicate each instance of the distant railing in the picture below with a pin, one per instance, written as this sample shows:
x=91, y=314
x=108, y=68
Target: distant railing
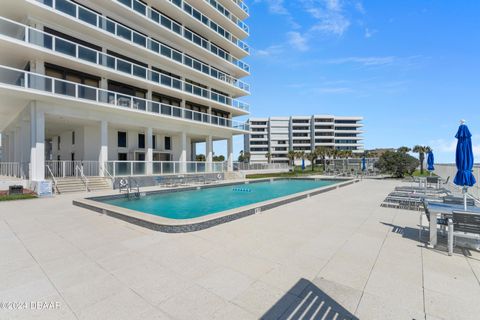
x=13, y=169
x=65, y=168
x=145, y=168
x=449, y=170
x=50, y=85
x=242, y=166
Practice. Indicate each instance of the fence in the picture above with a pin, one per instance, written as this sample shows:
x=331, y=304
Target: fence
x=143, y=168
x=241, y=166
x=450, y=170
x=62, y=169
x=14, y=169
x=349, y=165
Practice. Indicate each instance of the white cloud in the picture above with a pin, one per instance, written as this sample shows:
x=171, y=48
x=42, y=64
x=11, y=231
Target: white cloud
x=366, y=61
x=450, y=146
x=273, y=50
x=330, y=14
x=297, y=41
x=369, y=32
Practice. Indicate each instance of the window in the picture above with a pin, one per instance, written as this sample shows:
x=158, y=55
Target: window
x=154, y=142
x=122, y=139
x=58, y=143
x=168, y=143
x=122, y=157
x=141, y=141
x=73, y=137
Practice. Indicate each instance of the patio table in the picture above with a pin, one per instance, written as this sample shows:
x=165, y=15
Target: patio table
x=444, y=210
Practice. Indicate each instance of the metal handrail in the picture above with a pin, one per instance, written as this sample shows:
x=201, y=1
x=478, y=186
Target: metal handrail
x=53, y=178
x=82, y=176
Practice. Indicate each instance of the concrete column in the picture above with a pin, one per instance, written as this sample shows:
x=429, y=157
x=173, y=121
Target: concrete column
x=103, y=152
x=11, y=146
x=193, y=151
x=209, y=153
x=37, y=148
x=230, y=154
x=149, y=154
x=183, y=152
x=18, y=143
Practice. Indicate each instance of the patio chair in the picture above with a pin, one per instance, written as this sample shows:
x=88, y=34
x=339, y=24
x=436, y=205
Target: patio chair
x=440, y=221
x=463, y=224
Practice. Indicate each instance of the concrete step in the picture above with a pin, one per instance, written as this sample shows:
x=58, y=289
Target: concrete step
x=73, y=184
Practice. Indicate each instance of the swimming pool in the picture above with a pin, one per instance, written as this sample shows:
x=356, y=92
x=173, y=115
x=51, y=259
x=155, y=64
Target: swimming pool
x=197, y=203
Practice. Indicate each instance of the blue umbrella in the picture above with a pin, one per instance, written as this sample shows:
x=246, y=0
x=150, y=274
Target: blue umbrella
x=430, y=161
x=364, y=164
x=464, y=160
x=303, y=164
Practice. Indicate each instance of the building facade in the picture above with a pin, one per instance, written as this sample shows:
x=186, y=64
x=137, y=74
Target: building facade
x=120, y=80
x=276, y=136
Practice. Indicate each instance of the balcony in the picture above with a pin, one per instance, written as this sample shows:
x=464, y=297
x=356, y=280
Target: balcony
x=11, y=78
x=92, y=19
x=223, y=13
x=236, y=6
x=163, y=21
x=100, y=59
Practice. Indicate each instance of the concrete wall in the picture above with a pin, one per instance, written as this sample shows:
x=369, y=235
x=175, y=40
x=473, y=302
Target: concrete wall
x=450, y=170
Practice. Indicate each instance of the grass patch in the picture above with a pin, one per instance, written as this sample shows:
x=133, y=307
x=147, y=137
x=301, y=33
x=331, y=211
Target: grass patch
x=9, y=197
x=426, y=173
x=297, y=172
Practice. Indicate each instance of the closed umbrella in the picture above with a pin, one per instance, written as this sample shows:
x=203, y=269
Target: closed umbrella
x=364, y=164
x=303, y=164
x=464, y=161
x=430, y=162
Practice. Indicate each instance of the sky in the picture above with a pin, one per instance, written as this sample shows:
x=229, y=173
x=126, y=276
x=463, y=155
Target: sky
x=411, y=68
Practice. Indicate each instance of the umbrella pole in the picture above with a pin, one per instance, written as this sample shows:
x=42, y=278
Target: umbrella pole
x=465, y=198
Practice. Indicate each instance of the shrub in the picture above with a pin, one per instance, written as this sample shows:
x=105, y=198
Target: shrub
x=398, y=164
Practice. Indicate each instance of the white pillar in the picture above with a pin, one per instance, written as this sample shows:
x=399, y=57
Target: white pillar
x=11, y=147
x=230, y=154
x=183, y=153
x=149, y=155
x=209, y=153
x=37, y=147
x=103, y=152
x=18, y=143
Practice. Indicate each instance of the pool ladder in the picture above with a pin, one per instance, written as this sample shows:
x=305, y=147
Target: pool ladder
x=126, y=186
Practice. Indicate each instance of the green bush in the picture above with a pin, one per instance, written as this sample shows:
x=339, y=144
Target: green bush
x=8, y=197
x=398, y=164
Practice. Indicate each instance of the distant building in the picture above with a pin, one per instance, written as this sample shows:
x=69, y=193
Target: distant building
x=279, y=135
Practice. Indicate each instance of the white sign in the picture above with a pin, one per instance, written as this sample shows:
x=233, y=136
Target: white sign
x=44, y=188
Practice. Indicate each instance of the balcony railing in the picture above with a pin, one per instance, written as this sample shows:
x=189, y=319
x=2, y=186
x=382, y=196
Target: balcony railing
x=106, y=24
x=60, y=45
x=227, y=14
x=67, y=89
x=143, y=168
x=151, y=13
x=242, y=5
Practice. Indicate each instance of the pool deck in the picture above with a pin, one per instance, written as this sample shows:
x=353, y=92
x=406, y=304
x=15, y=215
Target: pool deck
x=341, y=247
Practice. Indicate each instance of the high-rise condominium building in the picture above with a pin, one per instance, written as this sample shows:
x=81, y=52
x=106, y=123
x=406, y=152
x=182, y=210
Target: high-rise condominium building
x=120, y=80
x=276, y=136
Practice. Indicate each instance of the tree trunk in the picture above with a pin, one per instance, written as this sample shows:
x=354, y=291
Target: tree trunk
x=422, y=158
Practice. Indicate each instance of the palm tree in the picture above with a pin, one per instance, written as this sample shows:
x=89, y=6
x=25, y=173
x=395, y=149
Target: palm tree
x=291, y=157
x=312, y=157
x=404, y=149
x=421, y=150
x=323, y=153
x=268, y=155
x=301, y=155
x=246, y=157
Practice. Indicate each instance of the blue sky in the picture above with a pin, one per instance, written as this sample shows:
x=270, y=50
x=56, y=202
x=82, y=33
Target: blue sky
x=410, y=67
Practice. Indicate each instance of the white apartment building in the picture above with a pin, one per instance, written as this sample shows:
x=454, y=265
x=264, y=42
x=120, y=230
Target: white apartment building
x=279, y=135
x=98, y=81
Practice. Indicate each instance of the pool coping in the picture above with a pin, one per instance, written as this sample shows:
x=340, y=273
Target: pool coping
x=168, y=225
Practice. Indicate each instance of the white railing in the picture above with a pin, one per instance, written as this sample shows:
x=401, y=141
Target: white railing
x=91, y=17
x=79, y=172
x=49, y=173
x=11, y=169
x=65, y=168
x=242, y=5
x=145, y=168
x=448, y=171
x=242, y=166
x=68, y=89
x=88, y=55
x=242, y=25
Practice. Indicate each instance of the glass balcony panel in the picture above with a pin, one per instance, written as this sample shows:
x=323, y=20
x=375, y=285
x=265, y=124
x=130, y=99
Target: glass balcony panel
x=123, y=168
x=139, y=104
x=177, y=84
x=166, y=110
x=157, y=167
x=124, y=101
x=168, y=167
x=188, y=114
x=87, y=54
x=140, y=7
x=124, y=66
x=165, y=80
x=139, y=39
x=154, y=46
x=177, y=56
x=155, y=107
x=87, y=16
x=64, y=88
x=65, y=47
x=166, y=51
x=139, y=71
x=66, y=7
x=87, y=93
x=155, y=16
x=124, y=32
x=176, y=112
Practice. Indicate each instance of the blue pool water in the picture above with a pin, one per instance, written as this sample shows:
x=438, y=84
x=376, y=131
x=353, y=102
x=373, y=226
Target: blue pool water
x=197, y=203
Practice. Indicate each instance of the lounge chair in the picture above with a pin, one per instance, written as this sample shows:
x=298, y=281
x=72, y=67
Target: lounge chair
x=463, y=224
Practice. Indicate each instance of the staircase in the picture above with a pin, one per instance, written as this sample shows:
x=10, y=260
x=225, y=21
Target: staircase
x=73, y=184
